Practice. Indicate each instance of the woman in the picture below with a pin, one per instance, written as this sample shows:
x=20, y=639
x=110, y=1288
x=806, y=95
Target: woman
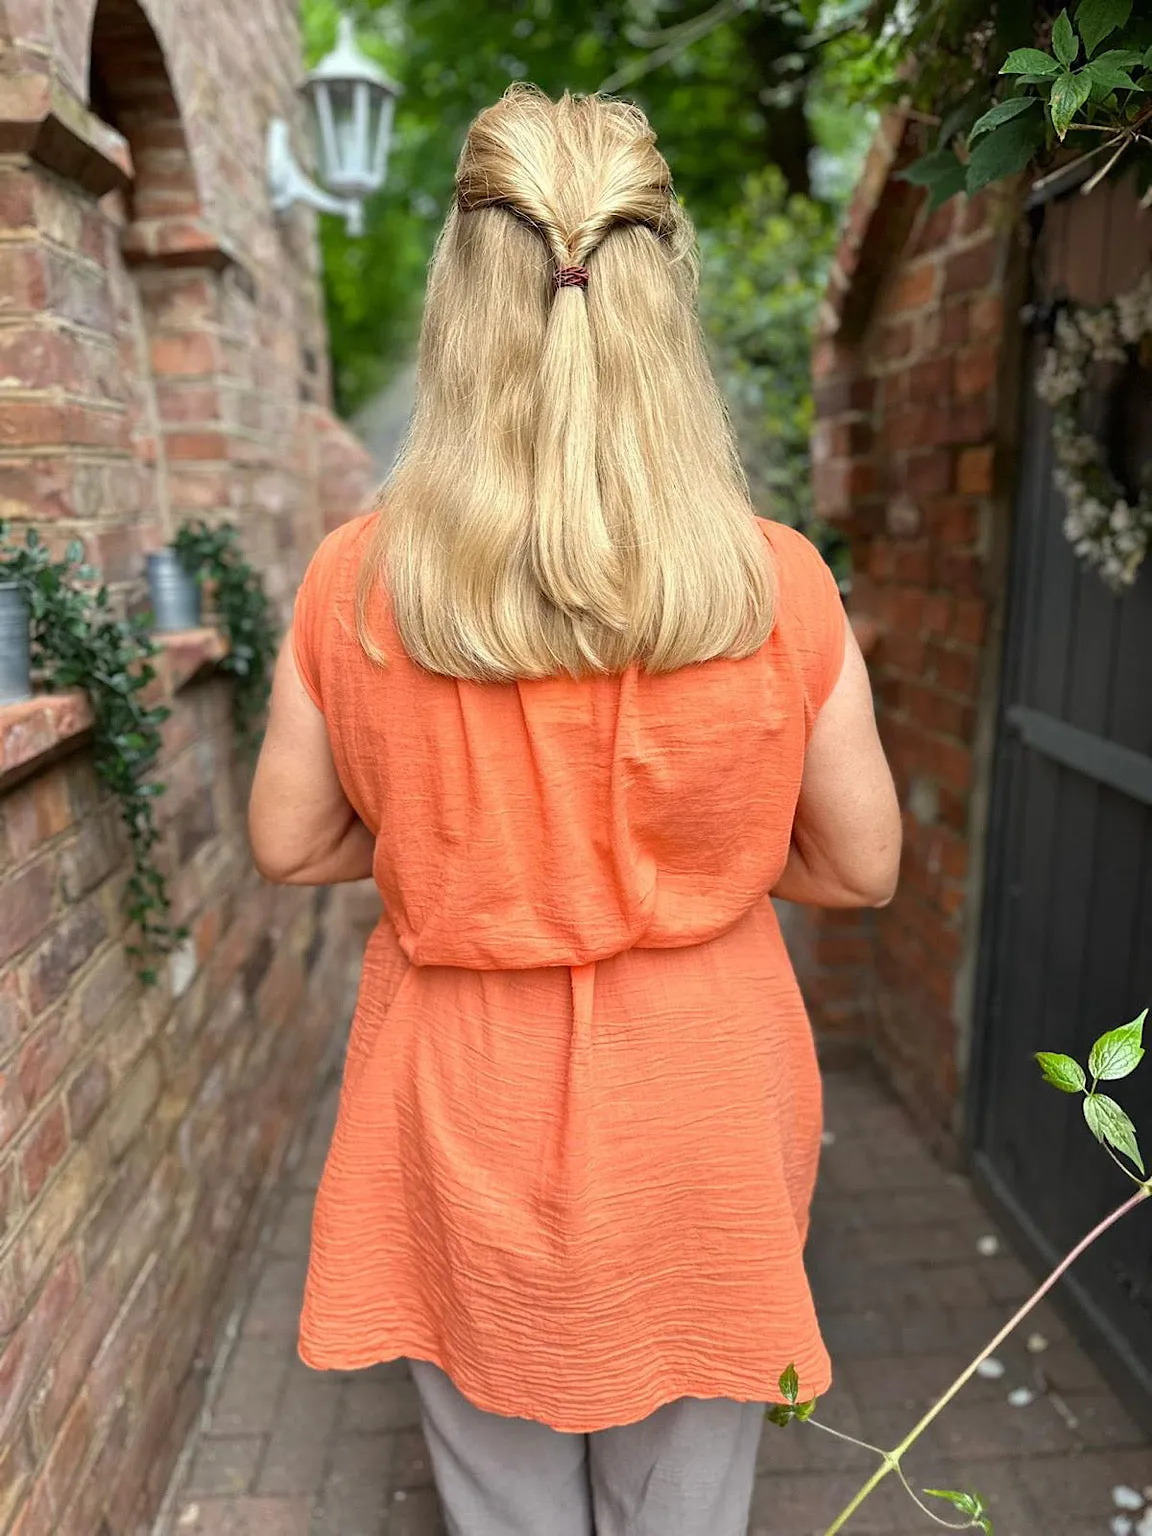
x=580, y=714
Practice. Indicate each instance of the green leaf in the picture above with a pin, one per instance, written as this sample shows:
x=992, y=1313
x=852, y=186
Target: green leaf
x=1119, y=1052
x=1109, y=76
x=1108, y=1123
x=1097, y=18
x=1029, y=61
x=940, y=171
x=780, y=1414
x=804, y=1411
x=1069, y=93
x=1002, y=112
x=1065, y=43
x=970, y=1504
x=1062, y=1072
x=1004, y=151
x=790, y=1384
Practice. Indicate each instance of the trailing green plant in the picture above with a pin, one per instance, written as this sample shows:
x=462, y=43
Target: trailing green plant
x=244, y=613
x=1009, y=84
x=79, y=641
x=1114, y=1056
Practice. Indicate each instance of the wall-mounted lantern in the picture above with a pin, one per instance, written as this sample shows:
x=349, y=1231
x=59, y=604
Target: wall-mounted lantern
x=350, y=101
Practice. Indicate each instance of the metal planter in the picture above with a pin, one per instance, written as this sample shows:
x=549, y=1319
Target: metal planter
x=15, y=654
x=174, y=593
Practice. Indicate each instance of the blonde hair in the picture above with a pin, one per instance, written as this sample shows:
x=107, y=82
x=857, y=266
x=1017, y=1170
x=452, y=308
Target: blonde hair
x=569, y=499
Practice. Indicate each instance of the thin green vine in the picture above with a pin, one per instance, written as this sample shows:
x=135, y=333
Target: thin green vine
x=244, y=614
x=77, y=641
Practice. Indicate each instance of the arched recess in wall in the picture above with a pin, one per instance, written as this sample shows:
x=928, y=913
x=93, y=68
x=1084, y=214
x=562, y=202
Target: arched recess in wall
x=177, y=278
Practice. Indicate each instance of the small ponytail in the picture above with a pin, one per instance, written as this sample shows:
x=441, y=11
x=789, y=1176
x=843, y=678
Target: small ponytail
x=573, y=552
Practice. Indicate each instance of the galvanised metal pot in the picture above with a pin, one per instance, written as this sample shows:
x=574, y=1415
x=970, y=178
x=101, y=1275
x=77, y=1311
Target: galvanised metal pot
x=175, y=594
x=15, y=657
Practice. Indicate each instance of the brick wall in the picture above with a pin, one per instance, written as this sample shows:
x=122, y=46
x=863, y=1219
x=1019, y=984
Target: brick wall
x=915, y=389
x=162, y=355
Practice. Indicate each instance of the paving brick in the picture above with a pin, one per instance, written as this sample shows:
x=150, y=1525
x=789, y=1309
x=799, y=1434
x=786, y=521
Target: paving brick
x=244, y=1517
x=374, y=1402
x=299, y=1449
x=253, y=1383
x=355, y=1499
x=225, y=1464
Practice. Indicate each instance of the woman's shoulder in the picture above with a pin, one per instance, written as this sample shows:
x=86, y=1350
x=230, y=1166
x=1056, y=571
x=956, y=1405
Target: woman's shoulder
x=344, y=543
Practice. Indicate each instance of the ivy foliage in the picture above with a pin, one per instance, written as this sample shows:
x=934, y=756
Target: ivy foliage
x=78, y=641
x=213, y=557
x=1014, y=85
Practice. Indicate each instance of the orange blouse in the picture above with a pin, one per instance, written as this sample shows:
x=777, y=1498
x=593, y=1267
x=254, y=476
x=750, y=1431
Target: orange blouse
x=580, y=1116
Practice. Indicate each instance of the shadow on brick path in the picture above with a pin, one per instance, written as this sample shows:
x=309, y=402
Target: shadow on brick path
x=905, y=1295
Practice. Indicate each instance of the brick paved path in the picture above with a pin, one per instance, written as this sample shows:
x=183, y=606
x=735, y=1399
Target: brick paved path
x=904, y=1291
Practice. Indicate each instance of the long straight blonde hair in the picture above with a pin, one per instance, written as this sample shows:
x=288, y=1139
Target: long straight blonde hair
x=569, y=498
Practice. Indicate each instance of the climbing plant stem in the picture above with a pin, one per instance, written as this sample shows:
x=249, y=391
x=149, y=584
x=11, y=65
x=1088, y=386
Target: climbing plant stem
x=892, y=1459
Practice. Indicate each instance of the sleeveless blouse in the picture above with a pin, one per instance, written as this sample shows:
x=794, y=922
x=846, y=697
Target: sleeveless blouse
x=580, y=1115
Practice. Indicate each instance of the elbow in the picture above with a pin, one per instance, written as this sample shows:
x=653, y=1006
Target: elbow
x=274, y=867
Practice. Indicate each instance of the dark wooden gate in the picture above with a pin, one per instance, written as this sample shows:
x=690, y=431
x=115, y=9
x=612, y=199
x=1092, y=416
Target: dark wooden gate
x=1067, y=932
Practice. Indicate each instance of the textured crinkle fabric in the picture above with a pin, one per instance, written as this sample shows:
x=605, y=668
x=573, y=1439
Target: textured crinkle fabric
x=580, y=1117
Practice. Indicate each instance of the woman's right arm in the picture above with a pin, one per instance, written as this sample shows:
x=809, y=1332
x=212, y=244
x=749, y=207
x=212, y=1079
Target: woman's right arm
x=846, y=836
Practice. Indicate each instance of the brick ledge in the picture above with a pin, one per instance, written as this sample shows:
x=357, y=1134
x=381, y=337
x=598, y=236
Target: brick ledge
x=40, y=730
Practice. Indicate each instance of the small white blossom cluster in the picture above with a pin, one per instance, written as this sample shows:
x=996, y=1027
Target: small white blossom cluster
x=1107, y=532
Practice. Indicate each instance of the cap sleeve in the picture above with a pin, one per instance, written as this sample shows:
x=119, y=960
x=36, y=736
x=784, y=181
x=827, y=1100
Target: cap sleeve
x=319, y=601
x=305, y=627
x=810, y=610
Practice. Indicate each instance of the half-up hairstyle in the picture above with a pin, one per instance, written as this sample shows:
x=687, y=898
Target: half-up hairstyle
x=569, y=499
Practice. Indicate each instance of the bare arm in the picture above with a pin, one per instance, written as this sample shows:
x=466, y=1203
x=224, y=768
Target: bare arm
x=846, y=837
x=302, y=829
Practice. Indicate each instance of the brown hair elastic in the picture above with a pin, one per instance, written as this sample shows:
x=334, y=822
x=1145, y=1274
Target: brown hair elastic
x=571, y=277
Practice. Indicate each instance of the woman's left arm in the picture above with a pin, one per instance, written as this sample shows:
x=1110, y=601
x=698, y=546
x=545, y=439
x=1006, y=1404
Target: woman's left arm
x=301, y=827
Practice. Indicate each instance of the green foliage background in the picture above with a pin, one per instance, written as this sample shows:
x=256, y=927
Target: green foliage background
x=754, y=116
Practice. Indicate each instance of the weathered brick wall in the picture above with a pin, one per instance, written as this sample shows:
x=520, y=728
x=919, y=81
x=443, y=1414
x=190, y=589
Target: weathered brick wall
x=916, y=402
x=162, y=355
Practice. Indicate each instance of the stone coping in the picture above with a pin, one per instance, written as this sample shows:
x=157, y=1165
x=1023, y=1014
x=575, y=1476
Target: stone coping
x=48, y=726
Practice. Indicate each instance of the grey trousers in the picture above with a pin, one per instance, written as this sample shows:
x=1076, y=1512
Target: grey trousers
x=686, y=1470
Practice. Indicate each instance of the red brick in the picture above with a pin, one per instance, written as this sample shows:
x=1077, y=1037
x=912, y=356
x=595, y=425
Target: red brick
x=970, y=620
x=912, y=564
x=26, y=909
x=974, y=471
x=35, y=1338
x=43, y=1150
x=930, y=382
x=958, y=571
x=937, y=614
x=87, y=1095
x=954, y=327
x=936, y=229
x=953, y=520
x=986, y=316
x=23, y=279
x=192, y=354
x=180, y=402
x=971, y=269
x=73, y=940
x=895, y=340
x=930, y=473
x=907, y=653
x=958, y=671
x=976, y=369
x=952, y=764
x=914, y=287
x=30, y=423
x=207, y=446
